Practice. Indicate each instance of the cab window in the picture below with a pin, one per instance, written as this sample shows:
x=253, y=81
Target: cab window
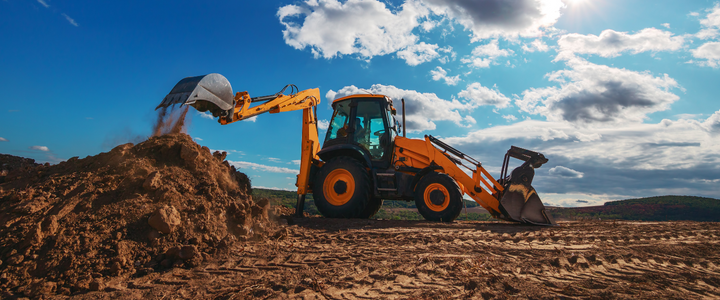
x=339, y=124
x=370, y=128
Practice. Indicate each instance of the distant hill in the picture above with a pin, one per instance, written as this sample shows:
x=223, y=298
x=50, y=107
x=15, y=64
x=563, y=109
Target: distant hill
x=661, y=208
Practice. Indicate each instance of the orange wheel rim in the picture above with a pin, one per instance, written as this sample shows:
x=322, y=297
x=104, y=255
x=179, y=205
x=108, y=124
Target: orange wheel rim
x=428, y=201
x=339, y=187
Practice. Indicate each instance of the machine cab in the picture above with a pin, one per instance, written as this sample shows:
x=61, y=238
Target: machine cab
x=365, y=124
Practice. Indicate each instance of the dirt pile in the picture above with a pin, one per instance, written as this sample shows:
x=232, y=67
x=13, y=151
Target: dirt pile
x=9, y=163
x=166, y=202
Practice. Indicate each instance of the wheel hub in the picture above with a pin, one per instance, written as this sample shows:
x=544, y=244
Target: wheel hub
x=437, y=197
x=340, y=187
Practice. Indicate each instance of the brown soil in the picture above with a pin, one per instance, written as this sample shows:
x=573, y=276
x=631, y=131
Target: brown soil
x=161, y=204
x=320, y=258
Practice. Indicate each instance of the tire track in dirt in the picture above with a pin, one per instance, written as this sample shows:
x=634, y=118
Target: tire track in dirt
x=361, y=259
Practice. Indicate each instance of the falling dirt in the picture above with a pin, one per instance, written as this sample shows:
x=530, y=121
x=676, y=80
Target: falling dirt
x=171, y=120
x=79, y=225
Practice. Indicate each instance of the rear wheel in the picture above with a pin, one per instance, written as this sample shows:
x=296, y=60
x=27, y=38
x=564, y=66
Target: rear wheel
x=342, y=190
x=438, y=198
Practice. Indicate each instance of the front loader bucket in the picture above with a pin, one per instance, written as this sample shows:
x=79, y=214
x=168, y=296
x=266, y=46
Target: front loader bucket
x=208, y=92
x=520, y=202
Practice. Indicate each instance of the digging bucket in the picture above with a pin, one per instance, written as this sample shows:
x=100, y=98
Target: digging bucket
x=211, y=92
x=520, y=202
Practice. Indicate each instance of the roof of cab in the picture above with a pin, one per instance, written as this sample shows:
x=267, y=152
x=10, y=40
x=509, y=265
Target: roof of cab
x=360, y=96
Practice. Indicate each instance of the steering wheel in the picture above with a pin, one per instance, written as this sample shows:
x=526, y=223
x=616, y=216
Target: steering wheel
x=379, y=132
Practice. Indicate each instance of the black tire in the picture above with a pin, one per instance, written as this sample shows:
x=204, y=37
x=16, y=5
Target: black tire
x=438, y=197
x=372, y=208
x=333, y=185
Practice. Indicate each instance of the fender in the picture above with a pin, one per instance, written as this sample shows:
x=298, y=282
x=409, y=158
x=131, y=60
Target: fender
x=353, y=151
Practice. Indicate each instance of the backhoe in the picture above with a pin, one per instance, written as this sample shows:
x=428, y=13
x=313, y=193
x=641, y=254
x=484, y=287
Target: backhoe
x=364, y=160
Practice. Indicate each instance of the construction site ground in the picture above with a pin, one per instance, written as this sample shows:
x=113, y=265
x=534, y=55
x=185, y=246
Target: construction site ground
x=317, y=258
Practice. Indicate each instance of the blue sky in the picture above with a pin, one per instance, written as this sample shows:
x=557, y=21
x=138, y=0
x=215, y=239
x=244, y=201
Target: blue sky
x=621, y=96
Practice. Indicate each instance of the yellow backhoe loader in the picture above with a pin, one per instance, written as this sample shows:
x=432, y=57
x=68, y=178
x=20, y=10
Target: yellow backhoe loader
x=364, y=160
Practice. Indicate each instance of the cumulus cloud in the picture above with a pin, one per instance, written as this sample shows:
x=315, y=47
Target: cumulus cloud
x=366, y=28
x=40, y=148
x=479, y=95
x=612, y=43
x=500, y=18
x=440, y=74
x=485, y=55
x=710, y=52
x=640, y=159
x=422, y=109
x=510, y=118
x=535, y=45
x=591, y=93
x=265, y=168
x=323, y=124
x=2, y=139
x=565, y=172
x=420, y=53
x=711, y=23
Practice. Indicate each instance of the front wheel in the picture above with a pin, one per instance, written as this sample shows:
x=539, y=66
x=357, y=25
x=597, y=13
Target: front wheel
x=342, y=190
x=438, y=198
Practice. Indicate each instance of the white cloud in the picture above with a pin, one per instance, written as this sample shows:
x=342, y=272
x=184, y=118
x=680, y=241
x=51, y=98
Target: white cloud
x=509, y=118
x=197, y=138
x=666, y=25
x=440, y=74
x=366, y=28
x=485, y=55
x=710, y=52
x=69, y=19
x=43, y=3
x=251, y=119
x=265, y=168
x=612, y=43
x=420, y=53
x=479, y=95
x=565, y=172
x=638, y=159
x=422, y=109
x=274, y=159
x=591, y=93
x=500, y=18
x=40, y=148
x=273, y=188
x=323, y=124
x=295, y=162
x=536, y=45
x=206, y=115
x=713, y=17
x=2, y=139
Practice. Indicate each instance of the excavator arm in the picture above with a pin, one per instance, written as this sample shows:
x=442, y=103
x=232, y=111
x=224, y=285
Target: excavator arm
x=213, y=93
